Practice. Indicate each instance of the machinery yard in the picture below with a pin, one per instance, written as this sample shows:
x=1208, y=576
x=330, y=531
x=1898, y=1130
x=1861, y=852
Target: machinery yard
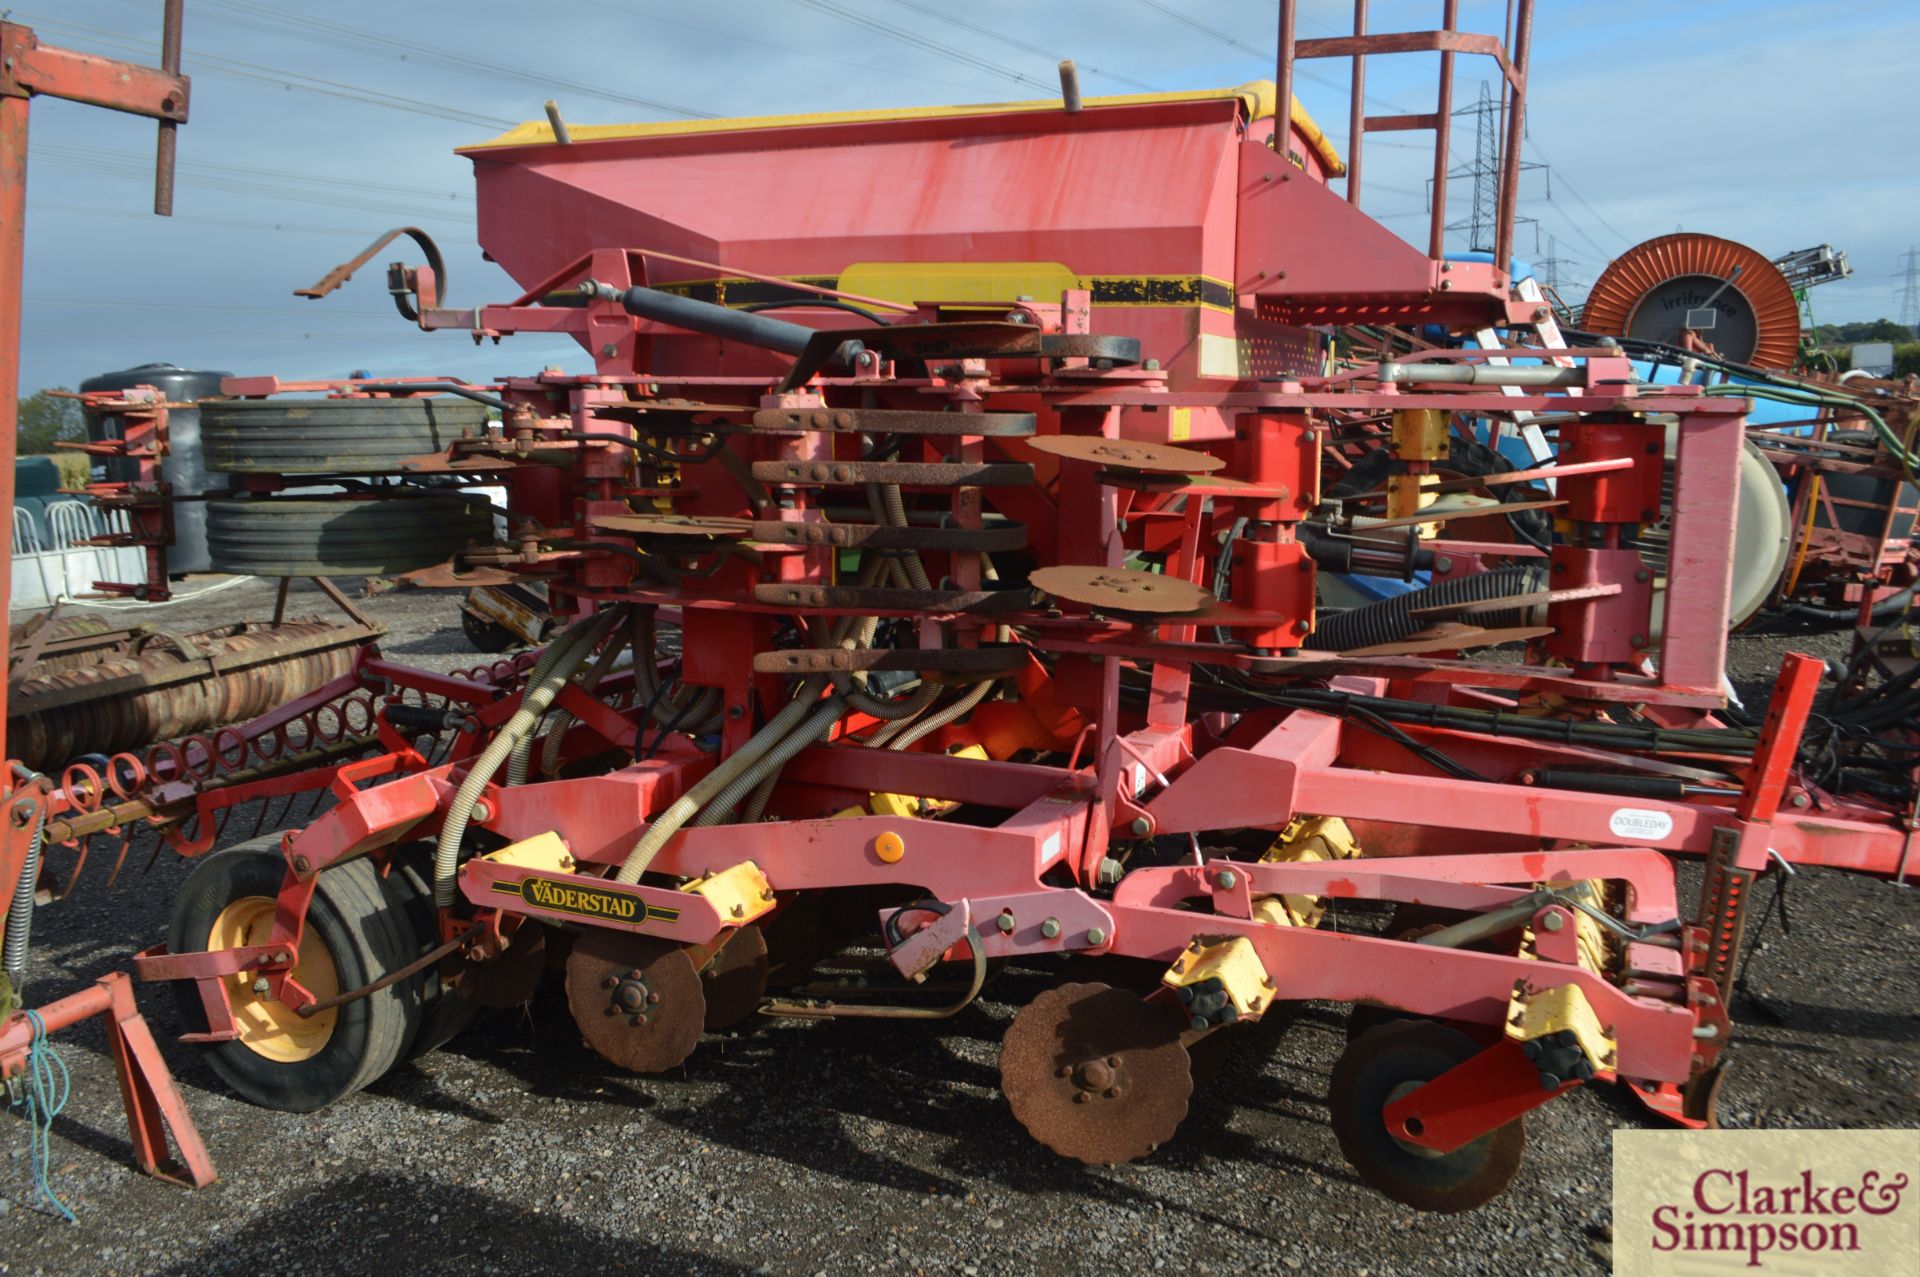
x=880, y=1152
x=993, y=687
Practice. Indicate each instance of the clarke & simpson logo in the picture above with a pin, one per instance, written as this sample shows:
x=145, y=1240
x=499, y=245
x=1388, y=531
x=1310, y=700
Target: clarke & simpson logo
x=1782, y=1202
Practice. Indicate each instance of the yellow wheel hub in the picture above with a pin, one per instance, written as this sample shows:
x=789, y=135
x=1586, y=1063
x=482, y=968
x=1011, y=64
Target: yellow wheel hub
x=268, y=1027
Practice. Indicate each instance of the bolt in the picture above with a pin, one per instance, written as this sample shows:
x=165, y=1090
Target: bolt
x=611, y=982
x=261, y=987
x=1050, y=928
x=1081, y=1097
x=1228, y=880
x=609, y=350
x=1638, y=640
x=1552, y=922
x=1152, y=365
x=1096, y=935
x=653, y=999
x=1006, y=924
x=1801, y=800
x=735, y=711
x=1643, y=575
x=1110, y=871
x=1140, y=826
x=1112, y=1092
x=302, y=864
x=636, y=1020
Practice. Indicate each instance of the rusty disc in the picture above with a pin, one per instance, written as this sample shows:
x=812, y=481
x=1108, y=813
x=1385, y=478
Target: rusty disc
x=511, y=978
x=673, y=525
x=734, y=979
x=1700, y=1097
x=1382, y=1065
x=1095, y=1073
x=1127, y=454
x=637, y=1000
x=1123, y=590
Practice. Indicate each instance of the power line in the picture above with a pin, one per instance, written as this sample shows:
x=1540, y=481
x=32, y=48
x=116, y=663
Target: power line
x=867, y=22
x=207, y=63
x=230, y=223
x=947, y=19
x=384, y=45
x=1324, y=81
x=788, y=50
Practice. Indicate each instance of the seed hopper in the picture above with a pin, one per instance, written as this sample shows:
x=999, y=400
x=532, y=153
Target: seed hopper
x=981, y=464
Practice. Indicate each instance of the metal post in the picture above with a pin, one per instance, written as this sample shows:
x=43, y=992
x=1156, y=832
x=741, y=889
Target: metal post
x=13, y=213
x=1442, y=132
x=1283, y=79
x=169, y=130
x=1516, y=134
x=1357, y=107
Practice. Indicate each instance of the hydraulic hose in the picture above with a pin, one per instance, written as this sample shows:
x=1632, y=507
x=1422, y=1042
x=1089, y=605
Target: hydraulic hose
x=560, y=660
x=13, y=956
x=562, y=720
x=940, y=718
x=1392, y=619
x=815, y=725
x=715, y=320
x=669, y=822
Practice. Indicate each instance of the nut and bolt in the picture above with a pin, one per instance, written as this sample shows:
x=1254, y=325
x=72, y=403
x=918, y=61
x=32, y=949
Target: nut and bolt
x=1050, y=928
x=261, y=987
x=609, y=350
x=1141, y=826
x=1228, y=880
x=1006, y=924
x=1553, y=920
x=1096, y=935
x=1638, y=640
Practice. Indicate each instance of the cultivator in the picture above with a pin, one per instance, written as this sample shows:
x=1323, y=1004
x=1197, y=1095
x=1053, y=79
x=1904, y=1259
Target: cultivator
x=998, y=642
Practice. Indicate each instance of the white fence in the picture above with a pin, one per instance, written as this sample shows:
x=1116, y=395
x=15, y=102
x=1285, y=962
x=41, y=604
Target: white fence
x=51, y=560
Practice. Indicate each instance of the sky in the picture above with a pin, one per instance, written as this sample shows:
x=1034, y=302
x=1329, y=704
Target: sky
x=316, y=127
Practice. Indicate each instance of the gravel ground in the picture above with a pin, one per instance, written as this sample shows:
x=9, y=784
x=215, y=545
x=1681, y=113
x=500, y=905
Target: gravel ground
x=812, y=1148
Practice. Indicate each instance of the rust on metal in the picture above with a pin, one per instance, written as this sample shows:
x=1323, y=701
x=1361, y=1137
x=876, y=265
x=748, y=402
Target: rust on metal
x=912, y=474
x=944, y=660
x=1095, y=1073
x=1123, y=590
x=734, y=977
x=674, y=525
x=637, y=1000
x=1127, y=454
x=895, y=421
x=885, y=537
x=1449, y=637
x=855, y=597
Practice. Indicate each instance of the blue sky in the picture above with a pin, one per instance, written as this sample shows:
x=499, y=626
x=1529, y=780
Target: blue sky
x=1781, y=125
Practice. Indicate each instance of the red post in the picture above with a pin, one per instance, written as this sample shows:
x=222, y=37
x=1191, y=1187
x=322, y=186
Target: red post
x=13, y=213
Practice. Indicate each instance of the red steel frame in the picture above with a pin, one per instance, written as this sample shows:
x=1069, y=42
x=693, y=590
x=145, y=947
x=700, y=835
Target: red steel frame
x=1169, y=769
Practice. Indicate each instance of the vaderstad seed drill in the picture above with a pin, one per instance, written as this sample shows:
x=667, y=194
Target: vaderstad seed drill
x=976, y=455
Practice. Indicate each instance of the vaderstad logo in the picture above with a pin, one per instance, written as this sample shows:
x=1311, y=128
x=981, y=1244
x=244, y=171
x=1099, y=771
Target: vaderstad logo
x=1728, y=1212
x=585, y=901
x=1787, y=1202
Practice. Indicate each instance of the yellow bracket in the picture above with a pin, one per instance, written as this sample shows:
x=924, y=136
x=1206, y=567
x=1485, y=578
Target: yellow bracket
x=1237, y=967
x=739, y=894
x=911, y=807
x=1561, y=1010
x=1305, y=839
x=546, y=851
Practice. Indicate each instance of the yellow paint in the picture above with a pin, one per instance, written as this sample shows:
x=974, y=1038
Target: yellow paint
x=1180, y=425
x=890, y=847
x=1235, y=963
x=1257, y=98
x=999, y=282
x=738, y=895
x=913, y=807
x=268, y=1027
x=1306, y=839
x=1550, y=1011
x=546, y=851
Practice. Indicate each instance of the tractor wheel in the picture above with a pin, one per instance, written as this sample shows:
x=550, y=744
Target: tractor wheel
x=447, y=1007
x=1378, y=1068
x=330, y=436
x=293, y=536
x=354, y=934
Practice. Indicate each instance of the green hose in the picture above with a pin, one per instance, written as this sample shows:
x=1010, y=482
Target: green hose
x=1805, y=396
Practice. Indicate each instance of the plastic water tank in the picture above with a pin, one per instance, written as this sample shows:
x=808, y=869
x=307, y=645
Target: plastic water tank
x=183, y=467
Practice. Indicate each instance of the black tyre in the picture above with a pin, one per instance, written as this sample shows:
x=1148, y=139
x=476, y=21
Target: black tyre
x=1465, y=457
x=354, y=935
x=295, y=536
x=330, y=436
x=1379, y=1067
x=446, y=1010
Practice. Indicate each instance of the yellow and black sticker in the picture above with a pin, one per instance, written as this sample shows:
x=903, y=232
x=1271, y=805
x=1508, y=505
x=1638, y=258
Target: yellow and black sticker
x=585, y=901
x=1106, y=290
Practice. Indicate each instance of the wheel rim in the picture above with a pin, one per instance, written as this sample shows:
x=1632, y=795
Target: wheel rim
x=266, y=1026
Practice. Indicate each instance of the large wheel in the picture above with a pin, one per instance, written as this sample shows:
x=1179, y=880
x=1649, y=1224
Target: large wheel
x=354, y=934
x=446, y=1007
x=330, y=436
x=293, y=536
x=1379, y=1067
